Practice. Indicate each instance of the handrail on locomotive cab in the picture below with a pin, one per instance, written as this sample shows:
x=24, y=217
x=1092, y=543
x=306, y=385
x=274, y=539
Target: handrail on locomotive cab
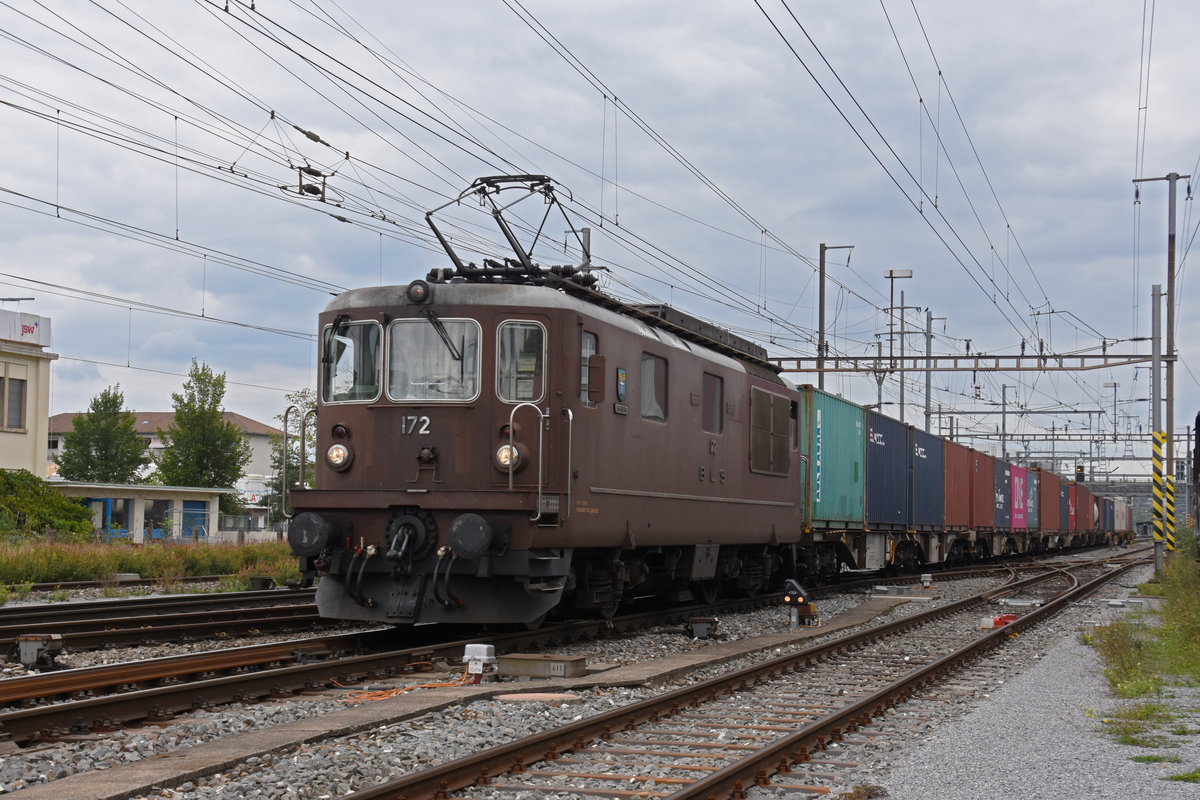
x=570, y=441
x=544, y=419
x=287, y=510
x=284, y=491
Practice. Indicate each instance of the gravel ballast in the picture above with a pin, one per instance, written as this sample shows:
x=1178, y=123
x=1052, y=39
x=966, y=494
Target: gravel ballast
x=1012, y=752
x=1045, y=734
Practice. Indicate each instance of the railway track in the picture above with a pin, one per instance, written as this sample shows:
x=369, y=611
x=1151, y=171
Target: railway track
x=117, y=623
x=112, y=695
x=759, y=726
x=54, y=704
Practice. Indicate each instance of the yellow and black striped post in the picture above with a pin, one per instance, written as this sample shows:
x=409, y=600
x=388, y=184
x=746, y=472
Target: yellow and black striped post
x=1169, y=511
x=1159, y=438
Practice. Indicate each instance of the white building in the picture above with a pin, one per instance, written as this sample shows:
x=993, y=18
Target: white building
x=24, y=390
x=147, y=424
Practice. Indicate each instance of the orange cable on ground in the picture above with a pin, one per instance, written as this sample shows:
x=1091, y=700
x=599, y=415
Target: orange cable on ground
x=371, y=695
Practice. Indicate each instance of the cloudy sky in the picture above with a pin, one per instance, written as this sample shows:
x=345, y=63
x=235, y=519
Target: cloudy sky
x=152, y=154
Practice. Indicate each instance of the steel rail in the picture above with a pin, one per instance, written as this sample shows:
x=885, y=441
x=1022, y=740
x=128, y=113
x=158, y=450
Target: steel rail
x=99, y=633
x=105, y=676
x=29, y=724
x=169, y=604
x=756, y=769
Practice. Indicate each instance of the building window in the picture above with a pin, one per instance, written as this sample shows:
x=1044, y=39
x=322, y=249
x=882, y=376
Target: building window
x=587, y=349
x=12, y=403
x=712, y=403
x=520, y=360
x=654, y=387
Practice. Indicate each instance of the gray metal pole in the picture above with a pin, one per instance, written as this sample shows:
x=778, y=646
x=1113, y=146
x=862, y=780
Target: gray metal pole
x=928, y=363
x=879, y=376
x=1004, y=422
x=901, y=372
x=821, y=326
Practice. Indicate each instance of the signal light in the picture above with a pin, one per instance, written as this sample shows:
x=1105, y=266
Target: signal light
x=794, y=594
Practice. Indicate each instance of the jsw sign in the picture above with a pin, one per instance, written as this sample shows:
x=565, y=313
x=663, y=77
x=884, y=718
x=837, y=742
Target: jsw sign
x=25, y=328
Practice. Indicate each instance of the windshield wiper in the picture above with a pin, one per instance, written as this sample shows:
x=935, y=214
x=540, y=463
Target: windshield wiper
x=436, y=322
x=335, y=330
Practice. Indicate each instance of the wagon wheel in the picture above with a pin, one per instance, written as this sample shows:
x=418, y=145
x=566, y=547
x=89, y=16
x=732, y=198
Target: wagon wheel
x=706, y=591
x=608, y=608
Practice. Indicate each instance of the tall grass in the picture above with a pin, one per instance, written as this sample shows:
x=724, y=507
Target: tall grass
x=41, y=562
x=1139, y=658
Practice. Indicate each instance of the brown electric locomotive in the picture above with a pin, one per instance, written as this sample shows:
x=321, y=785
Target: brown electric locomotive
x=500, y=440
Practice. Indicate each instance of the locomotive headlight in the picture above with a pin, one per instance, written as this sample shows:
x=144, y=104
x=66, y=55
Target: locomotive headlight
x=508, y=457
x=339, y=456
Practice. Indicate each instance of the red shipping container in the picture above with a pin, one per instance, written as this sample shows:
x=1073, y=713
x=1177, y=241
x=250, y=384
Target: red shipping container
x=1073, y=507
x=983, y=491
x=1048, y=506
x=1085, y=513
x=958, y=464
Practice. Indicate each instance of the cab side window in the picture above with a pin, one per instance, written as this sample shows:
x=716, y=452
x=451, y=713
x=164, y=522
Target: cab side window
x=712, y=403
x=587, y=349
x=520, y=362
x=654, y=387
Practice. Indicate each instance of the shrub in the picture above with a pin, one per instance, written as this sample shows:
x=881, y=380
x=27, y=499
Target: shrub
x=30, y=507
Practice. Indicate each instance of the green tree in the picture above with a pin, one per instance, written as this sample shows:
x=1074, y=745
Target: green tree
x=304, y=401
x=201, y=447
x=31, y=507
x=104, y=446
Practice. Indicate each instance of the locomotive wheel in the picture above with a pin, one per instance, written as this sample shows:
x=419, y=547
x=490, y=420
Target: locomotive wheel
x=535, y=623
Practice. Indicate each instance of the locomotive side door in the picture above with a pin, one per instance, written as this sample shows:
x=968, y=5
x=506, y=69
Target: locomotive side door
x=531, y=427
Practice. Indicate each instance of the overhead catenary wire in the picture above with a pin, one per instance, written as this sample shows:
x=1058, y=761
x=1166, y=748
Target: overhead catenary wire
x=364, y=195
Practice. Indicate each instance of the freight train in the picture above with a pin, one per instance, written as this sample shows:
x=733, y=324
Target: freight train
x=502, y=441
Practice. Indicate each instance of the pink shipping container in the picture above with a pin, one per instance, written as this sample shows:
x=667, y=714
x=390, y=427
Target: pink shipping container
x=957, y=464
x=1019, y=476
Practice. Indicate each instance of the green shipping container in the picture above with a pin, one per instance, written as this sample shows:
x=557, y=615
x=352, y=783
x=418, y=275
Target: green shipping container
x=833, y=439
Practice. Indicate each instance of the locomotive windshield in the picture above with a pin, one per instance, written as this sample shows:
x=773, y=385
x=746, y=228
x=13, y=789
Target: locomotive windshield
x=351, y=361
x=433, y=359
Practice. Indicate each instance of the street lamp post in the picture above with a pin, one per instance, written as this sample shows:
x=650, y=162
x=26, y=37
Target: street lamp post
x=892, y=275
x=1004, y=421
x=821, y=312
